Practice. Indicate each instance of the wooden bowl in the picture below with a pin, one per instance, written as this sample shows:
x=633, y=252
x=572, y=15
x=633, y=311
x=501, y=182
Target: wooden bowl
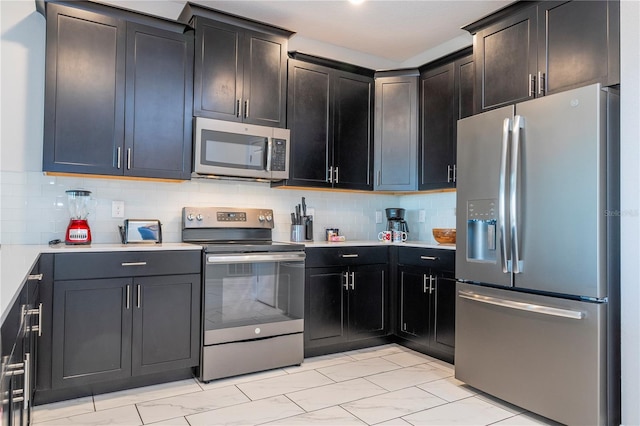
x=444, y=235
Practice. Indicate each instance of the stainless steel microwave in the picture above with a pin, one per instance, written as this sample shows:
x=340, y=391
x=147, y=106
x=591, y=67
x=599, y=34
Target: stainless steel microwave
x=226, y=149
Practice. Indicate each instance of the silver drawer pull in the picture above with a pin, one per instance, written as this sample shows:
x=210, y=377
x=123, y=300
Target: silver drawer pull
x=428, y=258
x=348, y=255
x=35, y=277
x=522, y=306
x=133, y=263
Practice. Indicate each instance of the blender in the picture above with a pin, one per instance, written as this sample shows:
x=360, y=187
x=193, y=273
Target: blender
x=78, y=231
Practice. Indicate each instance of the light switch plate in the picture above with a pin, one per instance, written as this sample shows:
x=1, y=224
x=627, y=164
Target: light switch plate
x=117, y=209
x=378, y=216
x=422, y=216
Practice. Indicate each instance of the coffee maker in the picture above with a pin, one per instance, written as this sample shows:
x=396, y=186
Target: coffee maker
x=395, y=220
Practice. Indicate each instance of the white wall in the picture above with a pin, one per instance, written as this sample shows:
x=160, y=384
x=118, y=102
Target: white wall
x=630, y=167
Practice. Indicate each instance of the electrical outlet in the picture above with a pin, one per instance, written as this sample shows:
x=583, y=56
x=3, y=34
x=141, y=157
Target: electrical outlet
x=378, y=216
x=422, y=216
x=117, y=209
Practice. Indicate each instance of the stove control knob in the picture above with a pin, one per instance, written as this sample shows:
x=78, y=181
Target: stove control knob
x=199, y=217
x=269, y=218
x=190, y=217
x=261, y=218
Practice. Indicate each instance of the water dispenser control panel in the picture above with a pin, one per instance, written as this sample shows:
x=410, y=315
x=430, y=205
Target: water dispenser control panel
x=481, y=230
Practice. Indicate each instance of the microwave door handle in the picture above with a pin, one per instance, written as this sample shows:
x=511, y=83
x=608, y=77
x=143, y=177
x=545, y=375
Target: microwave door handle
x=269, y=154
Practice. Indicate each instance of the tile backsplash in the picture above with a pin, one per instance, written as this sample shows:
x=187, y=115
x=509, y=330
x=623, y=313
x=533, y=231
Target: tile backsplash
x=34, y=207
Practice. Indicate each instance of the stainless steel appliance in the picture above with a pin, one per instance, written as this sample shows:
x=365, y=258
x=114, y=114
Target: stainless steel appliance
x=224, y=149
x=253, y=291
x=537, y=308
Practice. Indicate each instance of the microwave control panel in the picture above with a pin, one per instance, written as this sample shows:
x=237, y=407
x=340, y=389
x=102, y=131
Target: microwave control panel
x=279, y=158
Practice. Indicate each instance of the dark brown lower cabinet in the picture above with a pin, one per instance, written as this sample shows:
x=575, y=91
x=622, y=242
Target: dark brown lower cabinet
x=114, y=328
x=426, y=301
x=344, y=305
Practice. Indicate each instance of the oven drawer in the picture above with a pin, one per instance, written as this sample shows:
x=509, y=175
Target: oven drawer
x=318, y=257
x=72, y=266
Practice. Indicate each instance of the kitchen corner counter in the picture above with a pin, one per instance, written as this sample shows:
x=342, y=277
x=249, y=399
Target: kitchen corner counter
x=365, y=243
x=17, y=260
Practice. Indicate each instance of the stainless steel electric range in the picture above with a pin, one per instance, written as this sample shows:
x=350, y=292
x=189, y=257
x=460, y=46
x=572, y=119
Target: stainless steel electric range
x=253, y=291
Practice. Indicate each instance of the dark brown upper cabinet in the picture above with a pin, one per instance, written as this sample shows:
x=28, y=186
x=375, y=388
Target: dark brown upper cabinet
x=446, y=95
x=240, y=68
x=530, y=49
x=330, y=114
x=118, y=93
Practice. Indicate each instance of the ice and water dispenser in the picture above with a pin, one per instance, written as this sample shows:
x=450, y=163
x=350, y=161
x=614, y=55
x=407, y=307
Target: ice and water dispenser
x=481, y=230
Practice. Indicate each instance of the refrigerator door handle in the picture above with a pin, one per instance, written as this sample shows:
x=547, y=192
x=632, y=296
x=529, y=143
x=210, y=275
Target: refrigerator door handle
x=522, y=306
x=518, y=125
x=502, y=194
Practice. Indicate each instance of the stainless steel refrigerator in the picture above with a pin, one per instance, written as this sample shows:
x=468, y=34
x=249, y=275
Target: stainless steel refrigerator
x=537, y=259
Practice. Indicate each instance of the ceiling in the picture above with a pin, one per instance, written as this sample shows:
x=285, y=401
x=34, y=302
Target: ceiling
x=377, y=34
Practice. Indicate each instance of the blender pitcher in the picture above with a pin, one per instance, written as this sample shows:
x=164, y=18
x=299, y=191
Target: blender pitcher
x=78, y=231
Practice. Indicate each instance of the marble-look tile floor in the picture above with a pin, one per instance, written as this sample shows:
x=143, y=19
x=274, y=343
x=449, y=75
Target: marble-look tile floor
x=384, y=385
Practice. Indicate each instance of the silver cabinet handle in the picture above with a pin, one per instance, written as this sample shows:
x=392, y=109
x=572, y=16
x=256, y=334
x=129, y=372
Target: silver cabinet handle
x=246, y=108
x=522, y=306
x=431, y=283
x=502, y=194
x=119, y=157
x=238, y=110
x=133, y=263
x=532, y=84
x=428, y=258
x=37, y=277
x=27, y=379
x=455, y=173
x=353, y=281
x=331, y=174
x=449, y=170
x=138, y=298
x=127, y=297
x=379, y=177
x=26, y=312
x=513, y=194
x=424, y=283
x=349, y=255
x=337, y=179
x=128, y=158
x=541, y=83
x=345, y=275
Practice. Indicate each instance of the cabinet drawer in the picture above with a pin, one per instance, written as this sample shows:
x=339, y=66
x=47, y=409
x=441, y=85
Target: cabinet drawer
x=440, y=259
x=71, y=266
x=345, y=256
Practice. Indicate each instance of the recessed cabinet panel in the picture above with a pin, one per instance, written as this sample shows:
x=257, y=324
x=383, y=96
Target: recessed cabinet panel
x=353, y=146
x=309, y=121
x=158, y=111
x=217, y=87
x=85, y=83
x=396, y=133
x=576, y=44
x=264, y=80
x=507, y=60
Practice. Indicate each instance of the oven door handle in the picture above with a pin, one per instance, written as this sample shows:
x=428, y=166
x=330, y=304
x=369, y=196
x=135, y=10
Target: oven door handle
x=253, y=258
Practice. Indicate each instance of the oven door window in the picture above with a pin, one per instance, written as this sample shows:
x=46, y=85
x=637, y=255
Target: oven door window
x=253, y=293
x=233, y=150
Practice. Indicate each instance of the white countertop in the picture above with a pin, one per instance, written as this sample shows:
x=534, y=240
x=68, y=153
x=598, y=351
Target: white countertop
x=419, y=244
x=17, y=260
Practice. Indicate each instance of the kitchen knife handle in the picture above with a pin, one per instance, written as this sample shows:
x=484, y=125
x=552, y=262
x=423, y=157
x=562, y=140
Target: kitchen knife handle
x=518, y=125
x=502, y=194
